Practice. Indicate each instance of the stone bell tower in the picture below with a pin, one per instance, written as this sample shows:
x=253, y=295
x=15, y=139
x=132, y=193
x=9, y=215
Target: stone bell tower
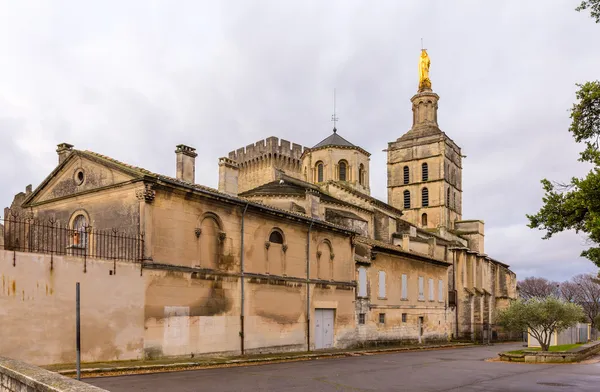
x=424, y=165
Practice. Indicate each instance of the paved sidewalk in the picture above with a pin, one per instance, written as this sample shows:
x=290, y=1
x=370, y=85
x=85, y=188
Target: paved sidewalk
x=96, y=369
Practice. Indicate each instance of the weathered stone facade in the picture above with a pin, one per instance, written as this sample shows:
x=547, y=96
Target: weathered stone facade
x=290, y=248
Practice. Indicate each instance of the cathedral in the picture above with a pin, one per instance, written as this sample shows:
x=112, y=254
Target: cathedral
x=422, y=216
x=291, y=252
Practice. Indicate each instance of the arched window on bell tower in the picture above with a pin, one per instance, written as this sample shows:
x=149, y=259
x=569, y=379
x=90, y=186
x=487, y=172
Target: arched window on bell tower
x=361, y=174
x=406, y=175
x=424, y=220
x=424, y=172
x=319, y=171
x=448, y=198
x=343, y=170
x=406, y=199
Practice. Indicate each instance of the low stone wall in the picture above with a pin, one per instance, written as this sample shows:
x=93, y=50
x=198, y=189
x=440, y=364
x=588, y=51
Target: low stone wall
x=17, y=376
x=574, y=355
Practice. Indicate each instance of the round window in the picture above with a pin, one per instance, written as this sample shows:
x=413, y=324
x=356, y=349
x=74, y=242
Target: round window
x=79, y=177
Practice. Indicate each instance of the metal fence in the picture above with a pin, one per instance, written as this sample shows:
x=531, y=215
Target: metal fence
x=48, y=237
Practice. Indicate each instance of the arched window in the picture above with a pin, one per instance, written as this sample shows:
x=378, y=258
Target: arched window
x=325, y=260
x=276, y=237
x=406, y=199
x=209, y=241
x=319, y=171
x=361, y=174
x=424, y=172
x=448, y=197
x=454, y=200
x=425, y=197
x=406, y=175
x=343, y=167
x=424, y=220
x=80, y=234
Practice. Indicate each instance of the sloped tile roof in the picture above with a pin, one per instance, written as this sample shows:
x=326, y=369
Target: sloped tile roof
x=144, y=173
x=334, y=140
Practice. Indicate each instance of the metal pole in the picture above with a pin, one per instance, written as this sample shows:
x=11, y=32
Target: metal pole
x=78, y=331
x=242, y=277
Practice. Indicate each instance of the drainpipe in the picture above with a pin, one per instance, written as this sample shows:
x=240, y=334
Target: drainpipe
x=455, y=292
x=242, y=282
x=308, y=285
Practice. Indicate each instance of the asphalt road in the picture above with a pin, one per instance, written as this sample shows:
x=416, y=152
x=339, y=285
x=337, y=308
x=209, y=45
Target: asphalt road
x=461, y=369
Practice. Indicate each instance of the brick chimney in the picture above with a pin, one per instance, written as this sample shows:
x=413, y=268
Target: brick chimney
x=63, y=150
x=186, y=163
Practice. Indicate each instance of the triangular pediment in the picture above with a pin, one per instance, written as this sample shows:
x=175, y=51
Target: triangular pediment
x=80, y=173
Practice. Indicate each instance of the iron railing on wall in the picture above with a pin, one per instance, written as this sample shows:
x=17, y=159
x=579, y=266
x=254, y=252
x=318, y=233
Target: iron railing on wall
x=50, y=237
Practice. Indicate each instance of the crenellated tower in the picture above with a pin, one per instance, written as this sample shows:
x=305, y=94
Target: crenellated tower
x=258, y=163
x=424, y=165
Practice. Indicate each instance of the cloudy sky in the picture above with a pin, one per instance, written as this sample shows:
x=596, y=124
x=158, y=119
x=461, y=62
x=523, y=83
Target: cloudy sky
x=131, y=79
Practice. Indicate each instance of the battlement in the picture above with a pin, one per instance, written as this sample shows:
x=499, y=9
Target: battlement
x=269, y=147
x=227, y=162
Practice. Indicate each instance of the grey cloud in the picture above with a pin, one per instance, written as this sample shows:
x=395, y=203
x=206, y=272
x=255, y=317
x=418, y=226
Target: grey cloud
x=132, y=80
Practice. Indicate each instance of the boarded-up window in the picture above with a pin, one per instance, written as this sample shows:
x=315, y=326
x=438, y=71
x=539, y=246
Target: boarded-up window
x=424, y=220
x=381, y=284
x=431, y=290
x=441, y=290
x=404, y=287
x=406, y=175
x=421, y=289
x=362, y=282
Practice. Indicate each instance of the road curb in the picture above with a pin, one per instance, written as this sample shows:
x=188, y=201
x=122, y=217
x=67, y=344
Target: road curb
x=216, y=363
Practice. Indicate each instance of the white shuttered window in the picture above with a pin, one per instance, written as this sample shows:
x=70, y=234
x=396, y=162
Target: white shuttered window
x=381, y=284
x=421, y=289
x=404, y=287
x=362, y=282
x=441, y=290
x=431, y=290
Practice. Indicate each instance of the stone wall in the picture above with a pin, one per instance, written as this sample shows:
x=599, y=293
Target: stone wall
x=17, y=376
x=37, y=306
x=401, y=315
x=166, y=311
x=258, y=163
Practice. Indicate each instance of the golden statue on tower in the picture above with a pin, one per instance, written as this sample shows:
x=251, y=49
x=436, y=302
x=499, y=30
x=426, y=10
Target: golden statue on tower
x=424, y=62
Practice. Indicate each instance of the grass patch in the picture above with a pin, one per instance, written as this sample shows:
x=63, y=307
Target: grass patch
x=552, y=349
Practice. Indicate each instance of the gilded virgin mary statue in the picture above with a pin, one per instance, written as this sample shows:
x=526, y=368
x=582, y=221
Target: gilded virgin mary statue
x=424, y=62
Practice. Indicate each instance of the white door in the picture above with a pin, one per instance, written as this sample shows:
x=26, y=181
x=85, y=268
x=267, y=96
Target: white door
x=324, y=328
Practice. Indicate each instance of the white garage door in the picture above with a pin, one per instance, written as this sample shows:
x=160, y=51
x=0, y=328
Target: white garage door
x=324, y=328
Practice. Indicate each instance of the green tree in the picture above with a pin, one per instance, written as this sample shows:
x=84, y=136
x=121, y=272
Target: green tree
x=541, y=317
x=593, y=6
x=576, y=205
